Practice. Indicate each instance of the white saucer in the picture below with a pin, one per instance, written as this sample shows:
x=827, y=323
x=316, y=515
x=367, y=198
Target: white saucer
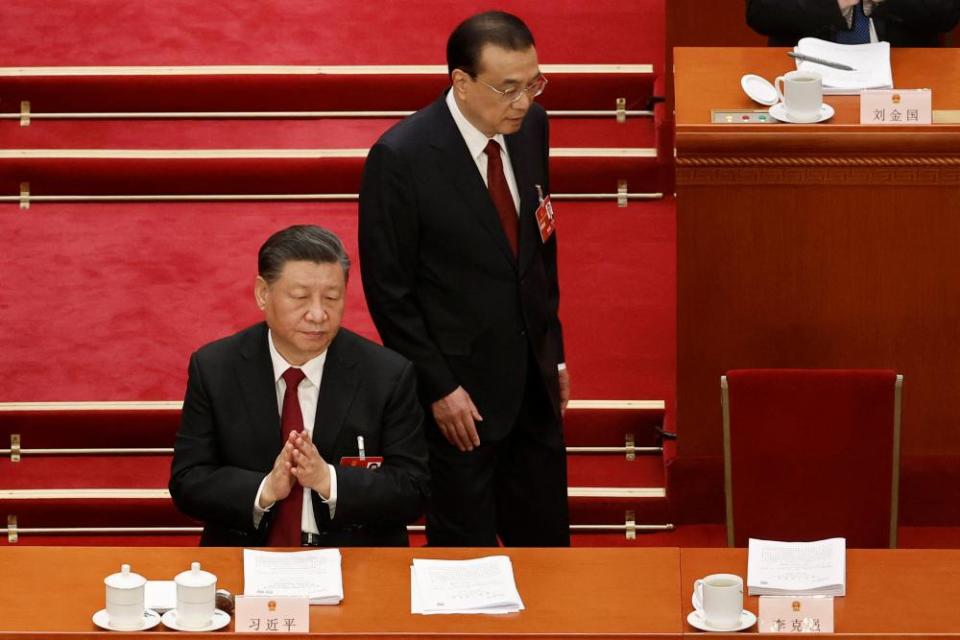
x=747, y=620
x=778, y=112
x=150, y=619
x=219, y=621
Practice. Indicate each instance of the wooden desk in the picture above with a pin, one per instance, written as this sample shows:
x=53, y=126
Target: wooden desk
x=567, y=592
x=889, y=593
x=829, y=245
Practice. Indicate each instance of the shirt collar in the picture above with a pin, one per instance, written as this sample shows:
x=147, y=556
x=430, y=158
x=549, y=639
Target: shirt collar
x=868, y=7
x=476, y=140
x=312, y=369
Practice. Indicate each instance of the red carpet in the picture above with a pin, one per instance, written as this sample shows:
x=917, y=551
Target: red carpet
x=311, y=32
x=106, y=302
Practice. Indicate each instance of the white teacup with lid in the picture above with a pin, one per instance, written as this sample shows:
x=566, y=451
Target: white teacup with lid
x=196, y=597
x=125, y=599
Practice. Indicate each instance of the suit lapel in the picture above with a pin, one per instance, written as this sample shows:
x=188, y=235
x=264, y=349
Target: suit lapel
x=337, y=389
x=529, y=236
x=458, y=168
x=255, y=371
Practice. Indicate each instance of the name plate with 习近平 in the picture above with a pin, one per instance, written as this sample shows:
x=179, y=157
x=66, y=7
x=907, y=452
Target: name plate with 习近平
x=896, y=107
x=269, y=614
x=795, y=614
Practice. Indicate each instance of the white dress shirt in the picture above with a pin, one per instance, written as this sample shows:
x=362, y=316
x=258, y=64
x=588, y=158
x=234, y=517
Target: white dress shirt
x=307, y=393
x=477, y=142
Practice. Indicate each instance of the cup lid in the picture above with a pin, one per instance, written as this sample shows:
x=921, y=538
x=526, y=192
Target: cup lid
x=195, y=577
x=125, y=579
x=759, y=89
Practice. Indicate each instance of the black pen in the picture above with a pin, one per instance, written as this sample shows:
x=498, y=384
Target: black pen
x=826, y=63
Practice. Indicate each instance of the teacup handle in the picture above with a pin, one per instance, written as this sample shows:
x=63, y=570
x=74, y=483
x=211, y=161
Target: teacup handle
x=776, y=84
x=697, y=597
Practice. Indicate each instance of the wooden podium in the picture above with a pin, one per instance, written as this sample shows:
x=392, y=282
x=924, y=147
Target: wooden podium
x=829, y=245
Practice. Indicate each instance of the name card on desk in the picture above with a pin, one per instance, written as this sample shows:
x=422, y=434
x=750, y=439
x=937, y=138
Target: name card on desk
x=896, y=106
x=268, y=614
x=795, y=614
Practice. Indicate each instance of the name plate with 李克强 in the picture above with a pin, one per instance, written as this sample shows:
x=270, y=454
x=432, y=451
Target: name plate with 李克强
x=795, y=614
x=896, y=107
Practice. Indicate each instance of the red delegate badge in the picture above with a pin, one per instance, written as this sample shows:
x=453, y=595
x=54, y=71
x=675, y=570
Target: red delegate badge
x=361, y=460
x=546, y=222
x=366, y=462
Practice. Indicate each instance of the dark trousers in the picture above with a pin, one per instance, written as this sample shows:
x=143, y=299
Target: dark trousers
x=514, y=488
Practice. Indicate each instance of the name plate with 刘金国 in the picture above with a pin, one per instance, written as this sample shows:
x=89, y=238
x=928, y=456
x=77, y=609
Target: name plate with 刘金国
x=272, y=614
x=896, y=107
x=795, y=614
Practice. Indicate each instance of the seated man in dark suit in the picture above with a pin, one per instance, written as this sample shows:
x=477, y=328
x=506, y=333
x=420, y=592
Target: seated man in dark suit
x=902, y=23
x=274, y=417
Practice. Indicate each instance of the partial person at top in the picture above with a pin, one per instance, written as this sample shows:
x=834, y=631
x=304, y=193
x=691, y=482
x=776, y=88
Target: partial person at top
x=902, y=23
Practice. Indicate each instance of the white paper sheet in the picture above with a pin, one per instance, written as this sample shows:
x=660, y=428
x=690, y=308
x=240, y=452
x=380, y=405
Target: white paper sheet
x=797, y=568
x=481, y=585
x=870, y=61
x=315, y=573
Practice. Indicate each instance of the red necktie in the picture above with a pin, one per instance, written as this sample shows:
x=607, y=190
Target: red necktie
x=285, y=529
x=500, y=193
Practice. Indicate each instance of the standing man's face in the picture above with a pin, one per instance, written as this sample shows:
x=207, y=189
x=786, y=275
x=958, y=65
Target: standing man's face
x=486, y=109
x=303, y=307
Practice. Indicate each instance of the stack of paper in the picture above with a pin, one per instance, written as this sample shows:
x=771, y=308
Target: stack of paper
x=482, y=585
x=797, y=568
x=871, y=64
x=315, y=574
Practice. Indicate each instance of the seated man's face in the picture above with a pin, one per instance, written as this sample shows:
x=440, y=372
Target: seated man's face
x=303, y=308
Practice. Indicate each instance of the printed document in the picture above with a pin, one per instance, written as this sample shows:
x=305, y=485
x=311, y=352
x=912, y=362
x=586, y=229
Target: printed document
x=481, y=585
x=797, y=568
x=871, y=63
x=315, y=574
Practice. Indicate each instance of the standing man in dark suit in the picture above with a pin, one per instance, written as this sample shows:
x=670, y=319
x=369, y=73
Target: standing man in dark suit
x=902, y=23
x=283, y=421
x=459, y=279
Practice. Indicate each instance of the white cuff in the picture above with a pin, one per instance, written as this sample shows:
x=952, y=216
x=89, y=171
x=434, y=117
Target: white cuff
x=331, y=502
x=562, y=366
x=257, y=511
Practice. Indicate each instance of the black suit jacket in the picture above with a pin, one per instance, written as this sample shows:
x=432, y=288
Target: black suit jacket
x=903, y=23
x=442, y=284
x=230, y=435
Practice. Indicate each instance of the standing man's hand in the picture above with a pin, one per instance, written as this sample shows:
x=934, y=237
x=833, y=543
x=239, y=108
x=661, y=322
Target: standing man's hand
x=309, y=467
x=456, y=415
x=846, y=4
x=564, y=375
x=280, y=480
